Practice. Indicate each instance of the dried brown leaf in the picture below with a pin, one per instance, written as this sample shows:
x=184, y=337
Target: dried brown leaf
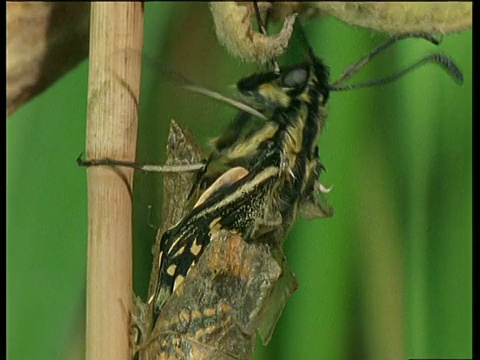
x=44, y=41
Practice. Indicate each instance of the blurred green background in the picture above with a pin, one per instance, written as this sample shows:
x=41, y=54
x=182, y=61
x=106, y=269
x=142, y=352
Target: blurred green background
x=389, y=276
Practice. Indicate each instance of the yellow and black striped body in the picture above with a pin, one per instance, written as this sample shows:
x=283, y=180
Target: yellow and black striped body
x=224, y=209
x=294, y=102
x=281, y=157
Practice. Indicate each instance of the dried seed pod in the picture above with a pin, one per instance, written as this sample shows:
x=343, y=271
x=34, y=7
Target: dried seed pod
x=234, y=30
x=402, y=17
x=233, y=21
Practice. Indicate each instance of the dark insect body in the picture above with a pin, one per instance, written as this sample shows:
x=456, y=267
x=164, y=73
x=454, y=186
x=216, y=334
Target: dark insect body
x=280, y=156
x=274, y=165
x=283, y=168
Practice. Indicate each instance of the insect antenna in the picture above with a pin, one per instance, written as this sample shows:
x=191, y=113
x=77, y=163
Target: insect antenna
x=181, y=80
x=262, y=27
x=440, y=59
x=199, y=89
x=304, y=41
x=352, y=70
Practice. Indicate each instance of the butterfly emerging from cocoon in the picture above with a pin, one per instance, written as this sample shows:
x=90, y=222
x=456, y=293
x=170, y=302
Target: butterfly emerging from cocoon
x=271, y=152
x=275, y=167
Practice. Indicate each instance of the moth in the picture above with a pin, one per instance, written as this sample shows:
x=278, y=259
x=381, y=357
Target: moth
x=235, y=289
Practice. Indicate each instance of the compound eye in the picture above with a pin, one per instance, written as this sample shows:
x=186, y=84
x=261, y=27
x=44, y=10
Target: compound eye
x=253, y=82
x=296, y=78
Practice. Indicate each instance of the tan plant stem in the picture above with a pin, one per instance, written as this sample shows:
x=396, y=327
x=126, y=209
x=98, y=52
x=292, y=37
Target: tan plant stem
x=116, y=39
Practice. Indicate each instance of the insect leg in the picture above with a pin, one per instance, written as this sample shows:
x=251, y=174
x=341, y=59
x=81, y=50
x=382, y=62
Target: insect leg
x=146, y=168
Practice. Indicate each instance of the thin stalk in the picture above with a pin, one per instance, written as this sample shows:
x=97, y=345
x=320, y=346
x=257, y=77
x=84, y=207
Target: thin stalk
x=113, y=97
